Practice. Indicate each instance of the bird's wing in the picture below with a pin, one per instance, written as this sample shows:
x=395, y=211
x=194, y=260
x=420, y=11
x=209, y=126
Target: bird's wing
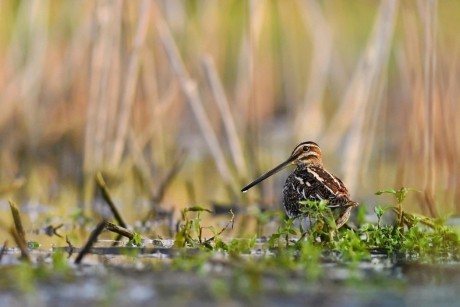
x=318, y=184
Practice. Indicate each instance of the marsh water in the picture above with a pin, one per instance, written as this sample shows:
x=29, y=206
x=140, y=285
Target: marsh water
x=159, y=274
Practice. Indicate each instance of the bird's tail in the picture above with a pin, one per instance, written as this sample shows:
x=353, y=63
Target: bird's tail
x=352, y=204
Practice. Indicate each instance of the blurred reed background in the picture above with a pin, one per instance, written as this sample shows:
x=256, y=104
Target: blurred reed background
x=183, y=102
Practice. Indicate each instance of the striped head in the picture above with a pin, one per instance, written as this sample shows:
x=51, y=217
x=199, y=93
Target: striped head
x=306, y=153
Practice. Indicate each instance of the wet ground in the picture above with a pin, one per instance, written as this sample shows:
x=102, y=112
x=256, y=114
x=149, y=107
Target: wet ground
x=162, y=276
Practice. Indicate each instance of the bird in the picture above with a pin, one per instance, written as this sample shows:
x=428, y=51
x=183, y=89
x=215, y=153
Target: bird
x=310, y=181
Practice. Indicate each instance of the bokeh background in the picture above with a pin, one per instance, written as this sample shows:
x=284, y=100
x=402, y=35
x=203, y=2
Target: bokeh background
x=182, y=103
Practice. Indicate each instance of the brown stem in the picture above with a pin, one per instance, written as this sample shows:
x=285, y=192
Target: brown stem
x=21, y=243
x=91, y=240
x=119, y=230
x=17, y=220
x=106, y=195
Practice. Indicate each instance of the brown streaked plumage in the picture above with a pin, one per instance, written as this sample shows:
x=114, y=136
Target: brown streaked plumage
x=310, y=181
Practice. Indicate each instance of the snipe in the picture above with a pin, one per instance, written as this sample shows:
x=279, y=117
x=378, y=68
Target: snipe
x=310, y=181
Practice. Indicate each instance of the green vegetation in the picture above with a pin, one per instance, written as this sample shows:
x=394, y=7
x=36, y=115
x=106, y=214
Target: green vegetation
x=292, y=248
x=290, y=252
x=410, y=234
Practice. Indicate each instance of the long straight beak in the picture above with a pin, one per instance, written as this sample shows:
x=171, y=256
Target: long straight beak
x=268, y=174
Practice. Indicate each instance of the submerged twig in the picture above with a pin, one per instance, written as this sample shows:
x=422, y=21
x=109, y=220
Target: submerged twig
x=119, y=230
x=2, y=251
x=21, y=243
x=106, y=195
x=91, y=240
x=71, y=247
x=51, y=230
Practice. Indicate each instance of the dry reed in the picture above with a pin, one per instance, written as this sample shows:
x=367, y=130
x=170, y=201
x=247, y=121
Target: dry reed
x=98, y=86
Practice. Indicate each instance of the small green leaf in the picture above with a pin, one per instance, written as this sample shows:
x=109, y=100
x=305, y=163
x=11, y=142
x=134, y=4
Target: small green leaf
x=33, y=245
x=379, y=211
x=387, y=191
x=179, y=240
x=135, y=241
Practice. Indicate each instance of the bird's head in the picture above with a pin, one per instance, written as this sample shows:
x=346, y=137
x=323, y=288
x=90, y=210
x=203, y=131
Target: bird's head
x=306, y=153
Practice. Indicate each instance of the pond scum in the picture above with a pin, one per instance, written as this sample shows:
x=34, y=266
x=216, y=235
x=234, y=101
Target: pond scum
x=290, y=252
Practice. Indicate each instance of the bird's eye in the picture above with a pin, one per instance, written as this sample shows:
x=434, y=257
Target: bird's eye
x=305, y=148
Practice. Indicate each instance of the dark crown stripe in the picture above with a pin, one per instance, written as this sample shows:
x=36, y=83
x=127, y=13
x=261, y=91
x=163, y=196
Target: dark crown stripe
x=310, y=143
